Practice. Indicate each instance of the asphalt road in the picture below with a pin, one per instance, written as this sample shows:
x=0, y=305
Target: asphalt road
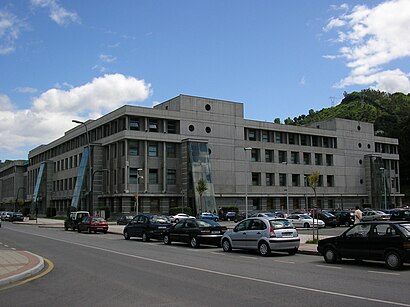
x=106, y=270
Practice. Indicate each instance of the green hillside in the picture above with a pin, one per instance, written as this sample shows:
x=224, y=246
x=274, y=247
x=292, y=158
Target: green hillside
x=390, y=114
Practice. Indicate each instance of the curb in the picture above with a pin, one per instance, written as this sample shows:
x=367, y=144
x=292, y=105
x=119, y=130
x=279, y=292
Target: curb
x=30, y=272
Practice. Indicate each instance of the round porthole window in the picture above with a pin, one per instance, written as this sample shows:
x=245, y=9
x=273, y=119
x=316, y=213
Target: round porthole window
x=360, y=161
x=191, y=128
x=209, y=151
x=358, y=128
x=208, y=130
x=361, y=181
x=368, y=146
x=360, y=145
x=208, y=107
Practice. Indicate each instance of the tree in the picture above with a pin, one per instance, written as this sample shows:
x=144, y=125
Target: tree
x=313, y=181
x=201, y=187
x=277, y=120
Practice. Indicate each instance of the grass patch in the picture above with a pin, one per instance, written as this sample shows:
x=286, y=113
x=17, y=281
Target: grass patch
x=313, y=241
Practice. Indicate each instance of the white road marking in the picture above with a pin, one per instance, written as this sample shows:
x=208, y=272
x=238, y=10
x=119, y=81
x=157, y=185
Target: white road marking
x=13, y=248
x=283, y=261
x=387, y=273
x=218, y=253
x=248, y=257
x=329, y=266
x=361, y=298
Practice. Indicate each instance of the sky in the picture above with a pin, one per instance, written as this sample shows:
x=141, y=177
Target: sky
x=65, y=60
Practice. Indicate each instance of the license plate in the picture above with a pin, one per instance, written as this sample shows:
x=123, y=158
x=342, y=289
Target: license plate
x=215, y=231
x=162, y=227
x=287, y=234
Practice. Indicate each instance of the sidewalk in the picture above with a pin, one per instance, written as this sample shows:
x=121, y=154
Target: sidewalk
x=18, y=265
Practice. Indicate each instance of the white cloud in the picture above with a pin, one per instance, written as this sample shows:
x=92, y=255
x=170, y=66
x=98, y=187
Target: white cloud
x=10, y=27
x=107, y=58
x=302, y=81
x=51, y=113
x=57, y=13
x=26, y=90
x=371, y=38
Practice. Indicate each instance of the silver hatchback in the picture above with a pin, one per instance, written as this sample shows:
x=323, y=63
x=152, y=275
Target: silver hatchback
x=263, y=234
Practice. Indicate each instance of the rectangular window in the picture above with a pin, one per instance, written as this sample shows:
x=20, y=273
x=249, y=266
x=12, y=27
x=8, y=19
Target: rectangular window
x=255, y=155
x=256, y=178
x=329, y=160
x=133, y=148
x=171, y=150
x=265, y=136
x=252, y=135
x=304, y=140
x=282, y=156
x=172, y=127
x=134, y=123
x=280, y=137
x=294, y=157
x=270, y=179
x=293, y=139
x=153, y=125
x=153, y=176
x=330, y=181
x=307, y=158
x=295, y=180
x=134, y=175
x=315, y=141
x=318, y=159
x=320, y=184
x=153, y=150
x=282, y=180
x=269, y=154
x=172, y=176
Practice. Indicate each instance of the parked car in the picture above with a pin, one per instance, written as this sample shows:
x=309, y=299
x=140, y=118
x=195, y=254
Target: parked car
x=6, y=216
x=180, y=216
x=345, y=218
x=147, y=226
x=304, y=220
x=263, y=234
x=373, y=215
x=400, y=215
x=327, y=217
x=229, y=216
x=124, y=219
x=92, y=224
x=265, y=214
x=195, y=232
x=387, y=241
x=208, y=216
x=16, y=216
x=239, y=217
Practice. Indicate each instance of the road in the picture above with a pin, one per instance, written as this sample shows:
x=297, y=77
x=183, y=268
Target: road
x=106, y=270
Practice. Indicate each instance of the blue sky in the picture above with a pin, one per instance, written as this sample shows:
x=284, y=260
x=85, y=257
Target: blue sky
x=63, y=60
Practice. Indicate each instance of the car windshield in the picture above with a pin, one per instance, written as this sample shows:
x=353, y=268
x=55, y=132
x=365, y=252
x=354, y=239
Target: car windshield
x=381, y=212
x=327, y=214
x=305, y=216
x=281, y=223
x=203, y=223
x=98, y=219
x=160, y=219
x=269, y=214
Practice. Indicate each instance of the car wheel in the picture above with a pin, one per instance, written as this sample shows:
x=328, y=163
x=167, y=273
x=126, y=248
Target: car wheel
x=145, y=238
x=89, y=230
x=330, y=255
x=216, y=220
x=167, y=239
x=347, y=224
x=194, y=242
x=306, y=225
x=393, y=261
x=73, y=229
x=292, y=251
x=264, y=249
x=176, y=220
x=65, y=228
x=79, y=230
x=226, y=245
x=105, y=231
x=126, y=235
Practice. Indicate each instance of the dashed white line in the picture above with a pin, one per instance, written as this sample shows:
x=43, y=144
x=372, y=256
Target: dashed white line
x=329, y=267
x=248, y=257
x=283, y=261
x=387, y=273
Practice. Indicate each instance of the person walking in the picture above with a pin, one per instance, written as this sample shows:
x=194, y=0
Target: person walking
x=358, y=215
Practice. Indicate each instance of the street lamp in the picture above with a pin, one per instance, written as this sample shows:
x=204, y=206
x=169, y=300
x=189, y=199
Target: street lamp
x=384, y=187
x=246, y=186
x=136, y=197
x=287, y=192
x=92, y=188
x=182, y=194
x=89, y=154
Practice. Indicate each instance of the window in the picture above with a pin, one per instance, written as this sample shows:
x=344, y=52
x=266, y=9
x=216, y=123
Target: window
x=256, y=179
x=172, y=127
x=320, y=183
x=153, y=176
x=134, y=175
x=304, y=140
x=134, y=123
x=330, y=181
x=133, y=149
x=294, y=157
x=269, y=155
x=315, y=141
x=171, y=176
x=282, y=156
x=329, y=160
x=255, y=155
x=282, y=180
x=307, y=158
x=153, y=150
x=270, y=179
x=171, y=150
x=252, y=135
x=280, y=137
x=318, y=159
x=293, y=139
x=295, y=180
x=153, y=125
x=265, y=136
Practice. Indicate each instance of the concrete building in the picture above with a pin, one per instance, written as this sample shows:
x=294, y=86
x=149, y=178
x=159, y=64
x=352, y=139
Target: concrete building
x=13, y=183
x=169, y=148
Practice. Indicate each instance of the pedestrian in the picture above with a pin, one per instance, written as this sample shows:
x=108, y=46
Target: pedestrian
x=358, y=215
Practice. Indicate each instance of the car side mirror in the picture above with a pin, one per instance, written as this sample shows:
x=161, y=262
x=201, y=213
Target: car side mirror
x=235, y=229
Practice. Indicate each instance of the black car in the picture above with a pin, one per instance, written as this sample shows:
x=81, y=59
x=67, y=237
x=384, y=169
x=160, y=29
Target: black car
x=147, y=226
x=345, y=218
x=124, y=219
x=328, y=218
x=230, y=216
x=400, y=215
x=195, y=232
x=383, y=241
x=16, y=216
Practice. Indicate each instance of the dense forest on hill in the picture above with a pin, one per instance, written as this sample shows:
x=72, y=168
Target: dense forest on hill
x=390, y=114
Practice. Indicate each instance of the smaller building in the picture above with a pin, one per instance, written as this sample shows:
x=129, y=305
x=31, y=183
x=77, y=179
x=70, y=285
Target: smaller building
x=13, y=185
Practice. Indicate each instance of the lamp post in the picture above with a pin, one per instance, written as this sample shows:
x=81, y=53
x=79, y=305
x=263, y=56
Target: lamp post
x=384, y=187
x=182, y=194
x=17, y=197
x=89, y=157
x=136, y=197
x=92, y=188
x=246, y=184
x=287, y=192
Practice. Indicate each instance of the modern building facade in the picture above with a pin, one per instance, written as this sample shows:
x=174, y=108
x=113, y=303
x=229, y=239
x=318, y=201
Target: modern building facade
x=160, y=154
x=13, y=183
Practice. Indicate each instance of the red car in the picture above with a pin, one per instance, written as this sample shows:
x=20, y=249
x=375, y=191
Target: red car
x=93, y=223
